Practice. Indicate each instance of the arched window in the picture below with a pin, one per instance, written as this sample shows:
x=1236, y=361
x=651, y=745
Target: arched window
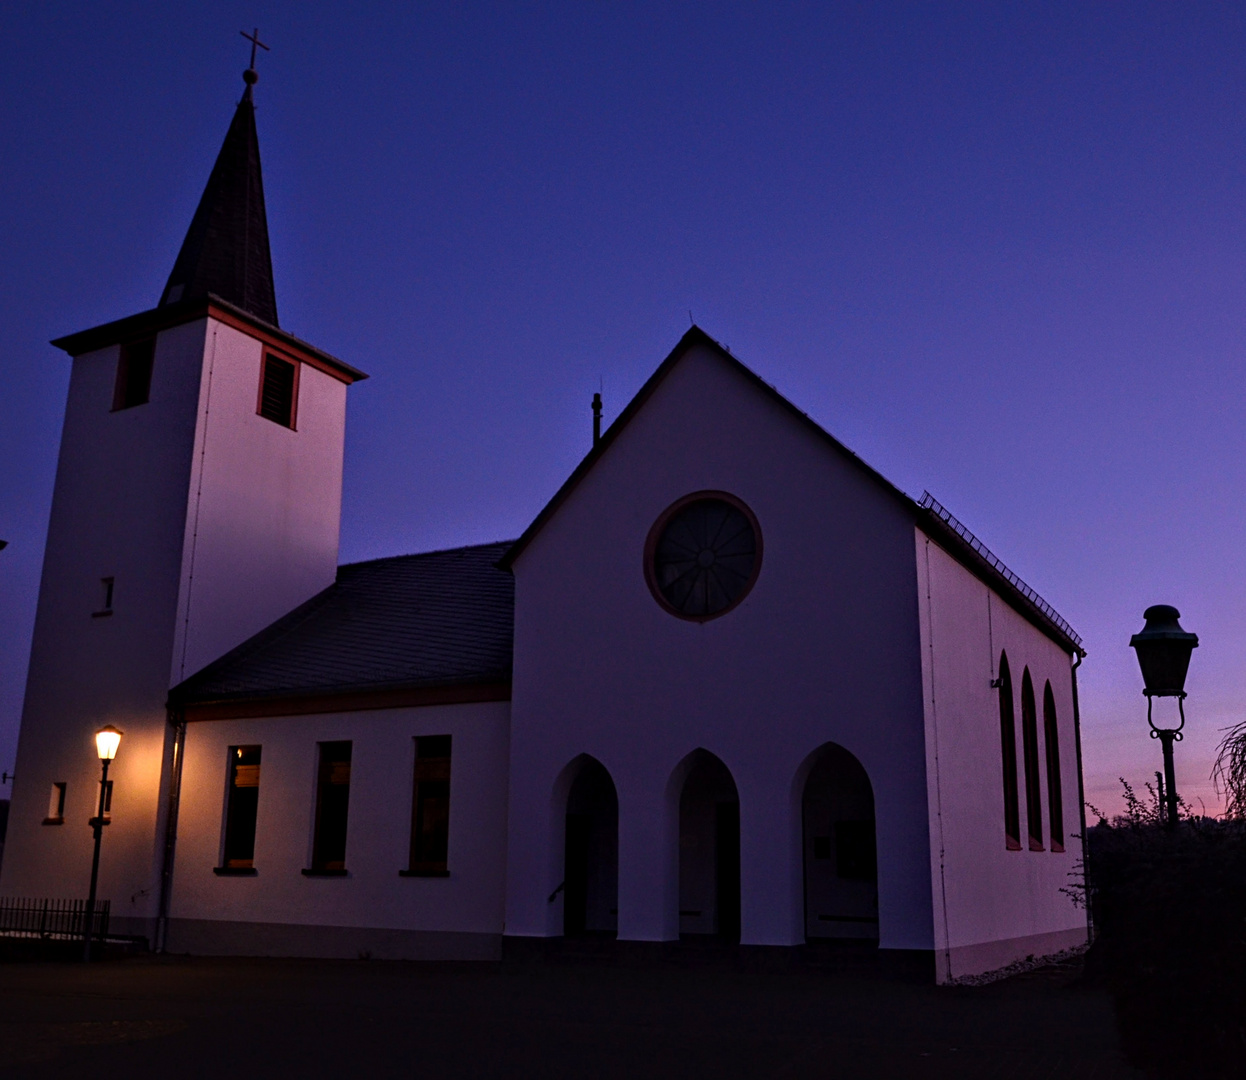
x=1055, y=804
x=1029, y=744
x=1008, y=745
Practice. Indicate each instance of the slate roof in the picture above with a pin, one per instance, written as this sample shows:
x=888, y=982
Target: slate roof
x=443, y=618
x=226, y=250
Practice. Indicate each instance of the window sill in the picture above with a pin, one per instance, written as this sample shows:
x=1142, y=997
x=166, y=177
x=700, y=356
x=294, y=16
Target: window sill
x=423, y=873
x=235, y=871
x=324, y=873
x=54, y=821
x=105, y=820
x=101, y=614
x=1057, y=848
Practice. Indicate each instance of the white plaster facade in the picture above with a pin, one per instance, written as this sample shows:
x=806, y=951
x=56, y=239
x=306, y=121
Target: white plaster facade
x=836, y=643
x=991, y=905
x=863, y=632
x=372, y=910
x=211, y=521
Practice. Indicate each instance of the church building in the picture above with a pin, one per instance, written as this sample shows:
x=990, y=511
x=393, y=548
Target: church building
x=730, y=683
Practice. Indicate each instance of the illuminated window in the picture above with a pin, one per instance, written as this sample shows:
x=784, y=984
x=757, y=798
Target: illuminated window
x=242, y=801
x=430, y=807
x=134, y=365
x=1055, y=802
x=332, y=802
x=278, y=390
x=1029, y=744
x=56, y=805
x=1008, y=745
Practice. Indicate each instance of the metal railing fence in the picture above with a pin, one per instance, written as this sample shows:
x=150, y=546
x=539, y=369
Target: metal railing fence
x=929, y=502
x=52, y=920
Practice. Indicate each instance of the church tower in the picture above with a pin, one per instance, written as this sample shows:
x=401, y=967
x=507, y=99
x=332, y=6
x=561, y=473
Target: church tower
x=197, y=499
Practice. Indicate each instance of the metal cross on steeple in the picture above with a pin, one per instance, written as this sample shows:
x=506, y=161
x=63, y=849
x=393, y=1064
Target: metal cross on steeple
x=254, y=39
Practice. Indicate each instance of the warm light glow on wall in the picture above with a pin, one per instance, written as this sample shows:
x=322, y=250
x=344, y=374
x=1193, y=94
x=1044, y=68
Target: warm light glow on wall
x=107, y=739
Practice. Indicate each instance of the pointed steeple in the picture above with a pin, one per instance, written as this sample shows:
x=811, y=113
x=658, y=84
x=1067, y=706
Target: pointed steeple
x=226, y=248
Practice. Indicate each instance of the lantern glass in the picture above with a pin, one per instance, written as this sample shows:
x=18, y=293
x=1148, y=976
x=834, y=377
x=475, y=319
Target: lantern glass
x=1163, y=650
x=107, y=739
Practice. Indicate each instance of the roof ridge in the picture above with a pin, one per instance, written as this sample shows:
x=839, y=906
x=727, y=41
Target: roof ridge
x=426, y=554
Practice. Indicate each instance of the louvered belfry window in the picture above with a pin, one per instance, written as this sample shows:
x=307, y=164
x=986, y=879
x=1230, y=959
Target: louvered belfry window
x=278, y=389
x=134, y=364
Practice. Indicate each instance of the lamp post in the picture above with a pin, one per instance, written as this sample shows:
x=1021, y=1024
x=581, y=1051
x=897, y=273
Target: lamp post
x=107, y=739
x=1164, y=650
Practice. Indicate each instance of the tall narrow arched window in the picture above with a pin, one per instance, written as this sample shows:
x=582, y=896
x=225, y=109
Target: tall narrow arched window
x=1055, y=804
x=1029, y=744
x=1008, y=746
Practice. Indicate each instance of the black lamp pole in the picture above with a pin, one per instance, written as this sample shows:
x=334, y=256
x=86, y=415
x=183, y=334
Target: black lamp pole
x=97, y=823
x=1164, y=650
x=107, y=739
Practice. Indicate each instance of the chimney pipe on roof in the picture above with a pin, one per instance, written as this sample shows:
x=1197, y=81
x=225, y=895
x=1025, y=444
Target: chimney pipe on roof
x=596, y=419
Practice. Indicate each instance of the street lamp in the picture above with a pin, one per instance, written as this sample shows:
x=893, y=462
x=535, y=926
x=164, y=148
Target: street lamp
x=107, y=739
x=1164, y=650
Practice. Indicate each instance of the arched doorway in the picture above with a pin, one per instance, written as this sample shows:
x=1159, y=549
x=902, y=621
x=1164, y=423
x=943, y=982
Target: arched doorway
x=841, y=863
x=591, y=855
x=709, y=851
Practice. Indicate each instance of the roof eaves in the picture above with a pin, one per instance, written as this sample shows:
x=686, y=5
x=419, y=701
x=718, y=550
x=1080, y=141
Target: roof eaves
x=991, y=572
x=184, y=311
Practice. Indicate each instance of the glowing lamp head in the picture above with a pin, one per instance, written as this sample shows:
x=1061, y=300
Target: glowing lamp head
x=107, y=739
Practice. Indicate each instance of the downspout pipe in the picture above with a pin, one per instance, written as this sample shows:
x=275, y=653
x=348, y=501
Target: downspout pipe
x=177, y=719
x=1078, y=657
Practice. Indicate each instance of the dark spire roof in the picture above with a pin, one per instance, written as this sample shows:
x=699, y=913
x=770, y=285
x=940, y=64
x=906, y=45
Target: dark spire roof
x=225, y=252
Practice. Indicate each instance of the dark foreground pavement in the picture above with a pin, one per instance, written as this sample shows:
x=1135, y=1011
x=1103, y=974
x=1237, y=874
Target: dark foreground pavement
x=185, y=1018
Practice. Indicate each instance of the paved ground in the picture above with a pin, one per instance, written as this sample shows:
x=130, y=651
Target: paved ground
x=186, y=1018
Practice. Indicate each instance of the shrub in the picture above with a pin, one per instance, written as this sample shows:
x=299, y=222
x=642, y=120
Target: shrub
x=1169, y=909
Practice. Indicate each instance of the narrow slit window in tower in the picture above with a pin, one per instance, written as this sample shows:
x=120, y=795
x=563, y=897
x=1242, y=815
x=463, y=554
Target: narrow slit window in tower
x=56, y=805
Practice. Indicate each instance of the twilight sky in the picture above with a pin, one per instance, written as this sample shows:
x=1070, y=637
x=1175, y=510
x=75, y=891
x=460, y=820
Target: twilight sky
x=997, y=249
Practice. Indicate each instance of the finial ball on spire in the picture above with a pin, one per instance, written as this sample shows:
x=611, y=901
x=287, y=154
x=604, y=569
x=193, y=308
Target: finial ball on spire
x=251, y=76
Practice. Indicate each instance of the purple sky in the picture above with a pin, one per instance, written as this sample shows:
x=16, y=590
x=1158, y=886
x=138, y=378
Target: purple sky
x=997, y=249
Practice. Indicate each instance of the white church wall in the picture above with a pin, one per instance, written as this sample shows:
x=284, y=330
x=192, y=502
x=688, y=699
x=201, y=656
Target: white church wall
x=264, y=508
x=372, y=909
x=212, y=522
x=992, y=905
x=118, y=510
x=824, y=648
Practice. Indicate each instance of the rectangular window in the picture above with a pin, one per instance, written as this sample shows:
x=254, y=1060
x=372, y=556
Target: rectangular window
x=278, y=390
x=332, y=802
x=134, y=366
x=430, y=807
x=242, y=802
x=107, y=800
x=56, y=805
x=106, y=591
